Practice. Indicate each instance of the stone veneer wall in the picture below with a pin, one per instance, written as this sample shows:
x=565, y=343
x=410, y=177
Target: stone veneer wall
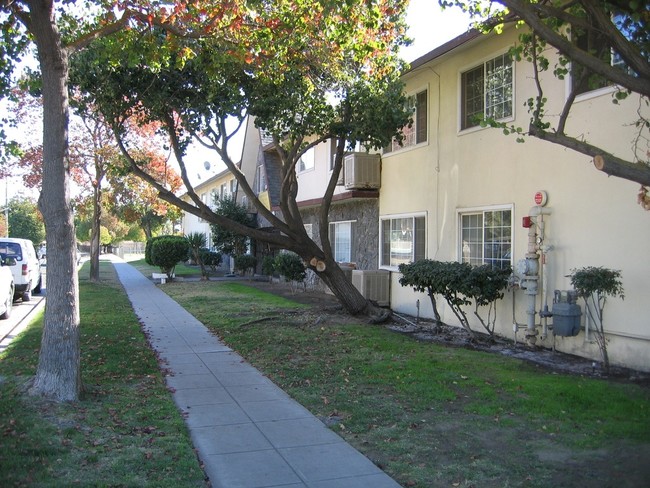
x=365, y=251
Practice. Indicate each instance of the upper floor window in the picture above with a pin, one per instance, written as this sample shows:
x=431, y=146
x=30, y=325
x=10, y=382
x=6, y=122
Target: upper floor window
x=486, y=237
x=307, y=161
x=487, y=91
x=416, y=132
x=597, y=44
x=260, y=180
x=403, y=240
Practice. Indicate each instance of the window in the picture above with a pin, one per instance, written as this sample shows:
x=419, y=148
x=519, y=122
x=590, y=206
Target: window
x=597, y=44
x=260, y=180
x=403, y=240
x=486, y=237
x=487, y=91
x=341, y=235
x=233, y=186
x=417, y=132
x=332, y=152
x=306, y=162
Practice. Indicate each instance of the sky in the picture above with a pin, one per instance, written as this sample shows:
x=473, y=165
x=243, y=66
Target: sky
x=429, y=27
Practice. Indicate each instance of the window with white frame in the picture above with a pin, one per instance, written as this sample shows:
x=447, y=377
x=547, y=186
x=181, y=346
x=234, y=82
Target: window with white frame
x=307, y=161
x=341, y=238
x=233, y=186
x=417, y=132
x=403, y=239
x=260, y=180
x=332, y=152
x=486, y=236
x=487, y=91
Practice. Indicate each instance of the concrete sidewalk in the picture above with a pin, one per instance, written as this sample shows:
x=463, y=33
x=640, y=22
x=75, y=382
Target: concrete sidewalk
x=248, y=432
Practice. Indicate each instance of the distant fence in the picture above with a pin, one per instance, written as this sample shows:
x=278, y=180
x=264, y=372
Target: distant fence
x=127, y=248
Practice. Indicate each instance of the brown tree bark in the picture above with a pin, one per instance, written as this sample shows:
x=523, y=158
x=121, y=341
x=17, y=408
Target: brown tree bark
x=58, y=375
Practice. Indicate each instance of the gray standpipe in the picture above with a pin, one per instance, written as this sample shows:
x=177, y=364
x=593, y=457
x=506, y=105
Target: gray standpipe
x=529, y=268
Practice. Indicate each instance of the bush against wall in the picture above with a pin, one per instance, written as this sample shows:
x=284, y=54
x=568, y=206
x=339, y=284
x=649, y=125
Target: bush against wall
x=289, y=265
x=166, y=251
x=594, y=285
x=459, y=284
x=244, y=263
x=211, y=259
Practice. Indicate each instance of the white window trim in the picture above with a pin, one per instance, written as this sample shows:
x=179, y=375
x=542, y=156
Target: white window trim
x=465, y=68
x=402, y=216
x=411, y=93
x=485, y=208
x=308, y=170
x=333, y=244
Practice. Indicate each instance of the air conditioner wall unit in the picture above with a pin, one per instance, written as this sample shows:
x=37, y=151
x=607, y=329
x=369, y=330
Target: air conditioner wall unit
x=362, y=171
x=373, y=285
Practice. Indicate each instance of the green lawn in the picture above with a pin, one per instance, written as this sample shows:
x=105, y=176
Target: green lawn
x=126, y=430
x=431, y=415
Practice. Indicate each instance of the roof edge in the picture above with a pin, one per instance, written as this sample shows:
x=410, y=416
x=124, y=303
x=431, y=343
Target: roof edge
x=448, y=46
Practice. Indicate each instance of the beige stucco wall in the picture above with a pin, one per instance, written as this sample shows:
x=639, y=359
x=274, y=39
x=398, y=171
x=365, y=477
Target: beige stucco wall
x=595, y=220
x=192, y=223
x=313, y=183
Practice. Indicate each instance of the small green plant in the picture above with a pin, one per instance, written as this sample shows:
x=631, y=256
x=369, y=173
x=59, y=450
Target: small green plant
x=166, y=251
x=245, y=262
x=268, y=265
x=212, y=259
x=459, y=284
x=197, y=241
x=486, y=285
x=289, y=265
x=594, y=285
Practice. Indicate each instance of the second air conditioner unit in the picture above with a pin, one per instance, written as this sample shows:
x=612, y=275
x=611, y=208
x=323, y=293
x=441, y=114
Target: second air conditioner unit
x=373, y=285
x=362, y=171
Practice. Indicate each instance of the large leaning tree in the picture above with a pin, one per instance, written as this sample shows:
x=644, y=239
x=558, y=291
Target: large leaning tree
x=57, y=31
x=307, y=71
x=600, y=43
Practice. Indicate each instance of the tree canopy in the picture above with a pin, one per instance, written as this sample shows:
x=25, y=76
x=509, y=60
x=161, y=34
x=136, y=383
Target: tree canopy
x=307, y=71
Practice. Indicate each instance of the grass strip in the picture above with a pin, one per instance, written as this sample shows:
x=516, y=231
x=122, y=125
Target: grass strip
x=125, y=431
x=427, y=414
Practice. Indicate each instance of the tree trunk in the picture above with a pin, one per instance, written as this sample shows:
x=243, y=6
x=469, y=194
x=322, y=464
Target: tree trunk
x=351, y=298
x=95, y=233
x=58, y=375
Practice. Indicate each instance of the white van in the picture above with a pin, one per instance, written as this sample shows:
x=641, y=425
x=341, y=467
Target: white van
x=26, y=270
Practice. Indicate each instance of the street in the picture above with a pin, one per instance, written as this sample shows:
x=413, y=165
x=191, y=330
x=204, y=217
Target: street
x=21, y=316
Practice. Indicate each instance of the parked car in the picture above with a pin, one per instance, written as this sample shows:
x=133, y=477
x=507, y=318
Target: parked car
x=6, y=287
x=26, y=270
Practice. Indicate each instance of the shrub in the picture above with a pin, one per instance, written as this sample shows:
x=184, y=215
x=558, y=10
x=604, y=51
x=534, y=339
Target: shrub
x=196, y=242
x=211, y=258
x=147, y=249
x=245, y=262
x=289, y=265
x=268, y=265
x=594, y=285
x=167, y=251
x=458, y=284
